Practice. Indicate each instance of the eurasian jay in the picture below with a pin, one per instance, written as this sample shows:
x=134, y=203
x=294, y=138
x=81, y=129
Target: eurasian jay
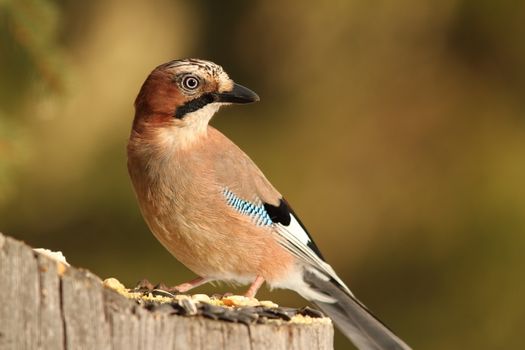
x=213, y=209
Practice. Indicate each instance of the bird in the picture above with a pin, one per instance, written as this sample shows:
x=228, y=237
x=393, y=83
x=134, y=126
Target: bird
x=212, y=208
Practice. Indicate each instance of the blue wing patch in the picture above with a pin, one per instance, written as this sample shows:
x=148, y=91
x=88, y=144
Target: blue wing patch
x=256, y=211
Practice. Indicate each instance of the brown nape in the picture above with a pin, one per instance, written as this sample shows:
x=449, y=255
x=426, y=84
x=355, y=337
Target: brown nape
x=157, y=100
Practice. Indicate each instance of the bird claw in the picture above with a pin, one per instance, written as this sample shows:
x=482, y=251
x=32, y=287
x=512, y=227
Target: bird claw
x=181, y=288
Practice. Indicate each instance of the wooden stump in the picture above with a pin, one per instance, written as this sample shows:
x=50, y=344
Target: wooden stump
x=41, y=308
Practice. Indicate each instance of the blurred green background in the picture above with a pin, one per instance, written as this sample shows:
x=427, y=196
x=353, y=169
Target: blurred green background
x=396, y=129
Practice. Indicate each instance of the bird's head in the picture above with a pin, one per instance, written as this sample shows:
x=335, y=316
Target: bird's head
x=186, y=93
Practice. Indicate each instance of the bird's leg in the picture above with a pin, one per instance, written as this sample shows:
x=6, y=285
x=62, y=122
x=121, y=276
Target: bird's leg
x=184, y=287
x=254, y=287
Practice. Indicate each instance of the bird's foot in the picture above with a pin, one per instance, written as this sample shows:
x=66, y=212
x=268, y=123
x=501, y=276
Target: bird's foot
x=184, y=287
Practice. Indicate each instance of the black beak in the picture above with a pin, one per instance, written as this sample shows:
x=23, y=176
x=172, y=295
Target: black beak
x=239, y=94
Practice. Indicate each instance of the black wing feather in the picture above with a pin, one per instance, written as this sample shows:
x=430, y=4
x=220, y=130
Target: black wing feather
x=282, y=215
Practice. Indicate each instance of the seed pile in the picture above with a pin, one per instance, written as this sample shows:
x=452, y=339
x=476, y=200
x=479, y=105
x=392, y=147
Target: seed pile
x=229, y=308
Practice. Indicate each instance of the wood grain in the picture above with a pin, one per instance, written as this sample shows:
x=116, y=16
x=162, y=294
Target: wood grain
x=41, y=309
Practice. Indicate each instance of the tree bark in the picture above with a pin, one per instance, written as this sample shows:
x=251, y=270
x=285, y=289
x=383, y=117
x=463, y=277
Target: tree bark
x=43, y=307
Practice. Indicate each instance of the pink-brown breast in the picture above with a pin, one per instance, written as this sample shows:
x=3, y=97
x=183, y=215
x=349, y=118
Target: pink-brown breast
x=181, y=199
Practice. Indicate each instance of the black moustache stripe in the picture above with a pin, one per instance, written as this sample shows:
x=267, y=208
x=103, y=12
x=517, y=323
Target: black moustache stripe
x=194, y=105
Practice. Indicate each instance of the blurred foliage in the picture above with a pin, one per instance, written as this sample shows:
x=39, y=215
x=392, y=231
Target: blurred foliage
x=30, y=51
x=397, y=130
x=29, y=64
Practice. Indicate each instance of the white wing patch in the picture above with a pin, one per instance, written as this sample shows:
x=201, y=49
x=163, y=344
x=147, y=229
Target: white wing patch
x=295, y=242
x=291, y=236
x=294, y=228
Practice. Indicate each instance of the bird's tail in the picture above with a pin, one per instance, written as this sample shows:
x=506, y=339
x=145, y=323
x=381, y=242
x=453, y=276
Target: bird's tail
x=350, y=315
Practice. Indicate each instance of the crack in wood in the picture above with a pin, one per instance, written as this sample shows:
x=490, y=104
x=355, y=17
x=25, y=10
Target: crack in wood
x=40, y=309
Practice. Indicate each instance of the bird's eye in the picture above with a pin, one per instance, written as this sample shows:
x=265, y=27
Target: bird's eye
x=190, y=82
